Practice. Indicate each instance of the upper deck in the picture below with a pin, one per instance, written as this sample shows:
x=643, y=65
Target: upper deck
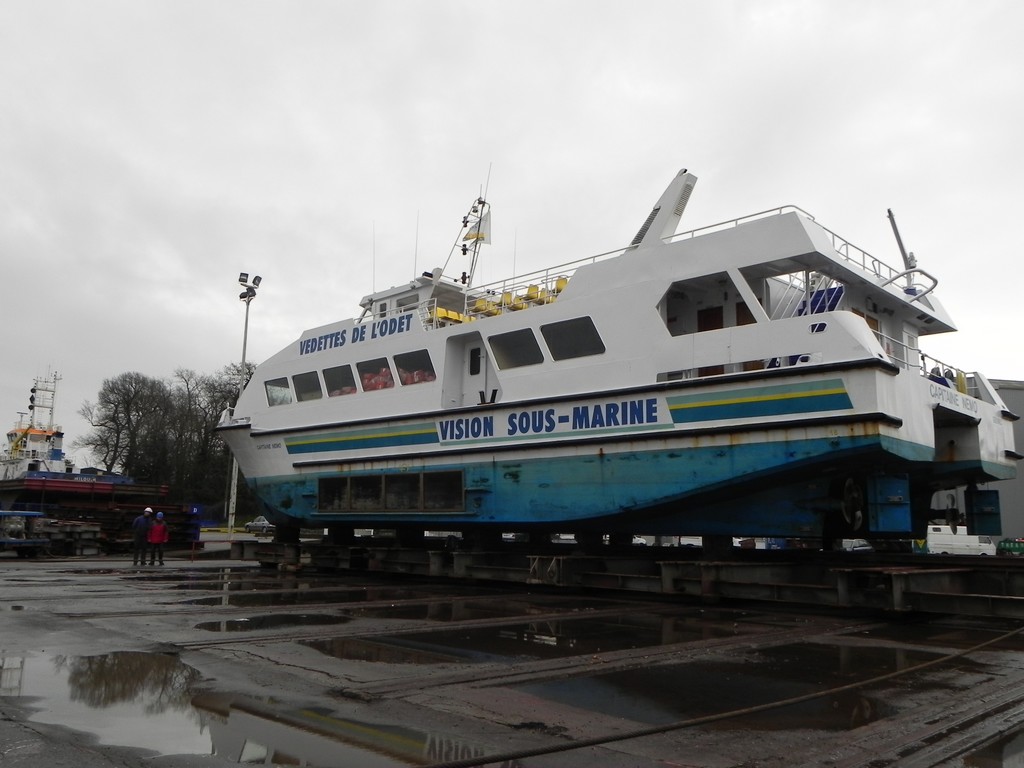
x=724, y=298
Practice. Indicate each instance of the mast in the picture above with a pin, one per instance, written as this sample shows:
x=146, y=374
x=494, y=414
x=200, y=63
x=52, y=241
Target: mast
x=43, y=395
x=909, y=262
x=475, y=231
x=477, y=224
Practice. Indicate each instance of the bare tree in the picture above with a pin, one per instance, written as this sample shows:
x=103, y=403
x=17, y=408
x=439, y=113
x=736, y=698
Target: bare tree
x=129, y=423
x=164, y=432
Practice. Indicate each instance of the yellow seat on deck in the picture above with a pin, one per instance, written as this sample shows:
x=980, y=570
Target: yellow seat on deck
x=484, y=306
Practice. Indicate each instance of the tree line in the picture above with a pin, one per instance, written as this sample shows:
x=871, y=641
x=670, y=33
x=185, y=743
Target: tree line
x=162, y=431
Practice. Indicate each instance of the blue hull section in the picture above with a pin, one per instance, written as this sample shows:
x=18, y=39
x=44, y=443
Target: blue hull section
x=772, y=488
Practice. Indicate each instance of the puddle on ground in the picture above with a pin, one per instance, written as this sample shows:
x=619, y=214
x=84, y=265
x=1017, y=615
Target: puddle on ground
x=310, y=596
x=530, y=641
x=128, y=699
x=668, y=693
x=275, y=733
x=306, y=595
x=150, y=701
x=272, y=621
x=1003, y=753
x=254, y=585
x=246, y=580
x=959, y=635
x=493, y=607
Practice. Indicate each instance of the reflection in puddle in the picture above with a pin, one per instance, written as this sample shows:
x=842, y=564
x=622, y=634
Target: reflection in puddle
x=129, y=699
x=149, y=701
x=271, y=621
x=313, y=596
x=297, y=595
x=489, y=608
x=945, y=634
x=549, y=639
x=664, y=694
x=258, y=732
x=1008, y=751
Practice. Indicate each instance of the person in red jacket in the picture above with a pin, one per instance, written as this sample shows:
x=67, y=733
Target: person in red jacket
x=158, y=536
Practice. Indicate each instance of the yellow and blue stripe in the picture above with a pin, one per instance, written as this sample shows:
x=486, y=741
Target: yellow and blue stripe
x=759, y=402
x=424, y=433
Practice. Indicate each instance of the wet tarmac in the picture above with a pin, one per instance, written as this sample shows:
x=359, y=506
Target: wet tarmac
x=104, y=665
x=548, y=639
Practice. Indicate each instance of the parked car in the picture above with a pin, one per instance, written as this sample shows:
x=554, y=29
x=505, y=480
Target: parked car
x=260, y=525
x=945, y=540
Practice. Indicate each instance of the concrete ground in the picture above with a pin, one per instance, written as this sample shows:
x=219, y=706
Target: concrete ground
x=211, y=662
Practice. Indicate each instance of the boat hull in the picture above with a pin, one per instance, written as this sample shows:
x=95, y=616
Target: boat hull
x=735, y=457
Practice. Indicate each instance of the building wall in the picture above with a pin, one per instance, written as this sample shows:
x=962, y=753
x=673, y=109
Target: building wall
x=1011, y=492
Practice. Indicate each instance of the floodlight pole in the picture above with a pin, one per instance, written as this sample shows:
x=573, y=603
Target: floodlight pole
x=247, y=296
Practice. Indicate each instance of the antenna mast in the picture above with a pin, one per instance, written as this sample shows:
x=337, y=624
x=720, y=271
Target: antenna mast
x=476, y=230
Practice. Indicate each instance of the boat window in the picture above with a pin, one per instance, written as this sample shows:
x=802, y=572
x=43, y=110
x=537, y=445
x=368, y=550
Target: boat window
x=675, y=311
x=375, y=374
x=572, y=338
x=278, y=392
x=516, y=348
x=393, y=492
x=333, y=495
x=442, y=490
x=474, y=361
x=366, y=492
x=414, y=367
x=307, y=386
x=339, y=380
x=402, y=491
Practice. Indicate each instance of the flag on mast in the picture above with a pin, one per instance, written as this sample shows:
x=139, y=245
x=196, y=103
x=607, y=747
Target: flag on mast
x=481, y=231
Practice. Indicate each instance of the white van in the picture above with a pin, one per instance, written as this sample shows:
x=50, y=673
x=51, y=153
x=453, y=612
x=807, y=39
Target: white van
x=943, y=540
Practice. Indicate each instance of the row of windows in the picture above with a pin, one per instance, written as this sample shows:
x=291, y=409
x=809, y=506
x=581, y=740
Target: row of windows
x=565, y=340
x=413, y=368
x=404, y=492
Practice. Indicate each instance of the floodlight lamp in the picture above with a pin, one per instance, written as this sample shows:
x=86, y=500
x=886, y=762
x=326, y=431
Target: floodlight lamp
x=256, y=281
x=243, y=277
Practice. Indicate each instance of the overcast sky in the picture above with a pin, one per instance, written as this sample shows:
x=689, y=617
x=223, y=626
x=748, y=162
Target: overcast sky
x=150, y=151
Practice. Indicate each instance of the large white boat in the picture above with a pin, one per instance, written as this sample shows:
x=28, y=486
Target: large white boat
x=758, y=377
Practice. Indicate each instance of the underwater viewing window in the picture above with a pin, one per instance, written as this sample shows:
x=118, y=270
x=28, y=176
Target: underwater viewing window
x=442, y=490
x=414, y=367
x=572, y=338
x=333, y=495
x=375, y=374
x=307, y=386
x=278, y=391
x=339, y=380
x=402, y=491
x=366, y=492
x=392, y=492
x=516, y=348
